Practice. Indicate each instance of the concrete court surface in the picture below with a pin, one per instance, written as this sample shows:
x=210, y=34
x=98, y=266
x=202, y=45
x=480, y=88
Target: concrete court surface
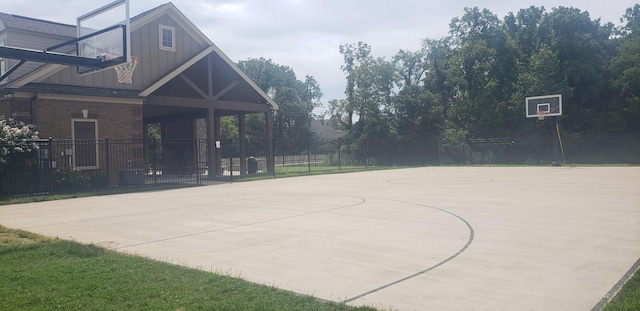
x=435, y=238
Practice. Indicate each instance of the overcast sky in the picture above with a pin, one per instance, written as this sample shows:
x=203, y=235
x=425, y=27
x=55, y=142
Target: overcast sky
x=306, y=34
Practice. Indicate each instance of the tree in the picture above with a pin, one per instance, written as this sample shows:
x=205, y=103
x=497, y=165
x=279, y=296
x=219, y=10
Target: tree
x=409, y=66
x=355, y=58
x=417, y=114
x=310, y=93
x=483, y=70
x=625, y=69
x=296, y=98
x=474, y=82
x=583, y=48
x=370, y=87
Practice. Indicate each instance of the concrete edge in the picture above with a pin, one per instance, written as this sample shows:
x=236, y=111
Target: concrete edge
x=616, y=288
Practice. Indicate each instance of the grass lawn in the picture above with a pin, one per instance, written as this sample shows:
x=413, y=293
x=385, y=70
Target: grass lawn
x=628, y=298
x=52, y=274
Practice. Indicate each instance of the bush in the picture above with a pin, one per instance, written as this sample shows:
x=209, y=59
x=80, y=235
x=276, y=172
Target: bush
x=16, y=137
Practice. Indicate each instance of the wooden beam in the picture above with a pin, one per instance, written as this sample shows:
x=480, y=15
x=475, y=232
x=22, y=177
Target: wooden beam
x=241, y=106
x=193, y=85
x=177, y=71
x=210, y=74
x=207, y=103
x=226, y=89
x=177, y=102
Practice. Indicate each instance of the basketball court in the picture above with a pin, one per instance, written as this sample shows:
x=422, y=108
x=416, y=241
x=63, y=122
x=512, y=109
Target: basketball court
x=435, y=238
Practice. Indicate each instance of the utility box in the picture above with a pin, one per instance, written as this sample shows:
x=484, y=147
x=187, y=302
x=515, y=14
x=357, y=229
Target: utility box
x=130, y=177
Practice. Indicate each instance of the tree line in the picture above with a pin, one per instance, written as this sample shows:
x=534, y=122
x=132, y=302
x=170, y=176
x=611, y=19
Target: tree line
x=473, y=82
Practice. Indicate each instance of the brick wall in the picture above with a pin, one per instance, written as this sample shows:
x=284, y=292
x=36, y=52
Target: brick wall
x=115, y=121
x=20, y=107
x=5, y=108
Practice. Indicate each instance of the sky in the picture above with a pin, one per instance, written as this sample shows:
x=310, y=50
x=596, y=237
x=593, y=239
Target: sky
x=306, y=34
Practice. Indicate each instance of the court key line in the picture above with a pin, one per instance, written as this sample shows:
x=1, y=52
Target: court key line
x=464, y=248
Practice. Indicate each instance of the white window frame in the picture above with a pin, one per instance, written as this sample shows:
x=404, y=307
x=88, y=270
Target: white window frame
x=3, y=61
x=171, y=29
x=73, y=137
x=3, y=66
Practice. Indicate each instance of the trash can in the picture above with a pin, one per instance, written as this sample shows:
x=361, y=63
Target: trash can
x=252, y=165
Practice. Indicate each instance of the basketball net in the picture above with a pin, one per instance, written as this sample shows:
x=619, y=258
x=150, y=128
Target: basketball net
x=125, y=70
x=541, y=114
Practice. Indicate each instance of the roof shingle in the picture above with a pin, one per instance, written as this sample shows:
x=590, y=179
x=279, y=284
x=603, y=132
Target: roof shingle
x=11, y=21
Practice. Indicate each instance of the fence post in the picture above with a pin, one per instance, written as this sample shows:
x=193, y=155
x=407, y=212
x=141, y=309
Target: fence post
x=366, y=154
x=154, y=158
x=50, y=168
x=107, y=164
x=230, y=160
x=309, y=155
x=197, y=164
x=273, y=154
x=339, y=151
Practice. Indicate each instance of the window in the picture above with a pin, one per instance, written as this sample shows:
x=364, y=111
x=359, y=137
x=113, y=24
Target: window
x=167, y=38
x=85, y=145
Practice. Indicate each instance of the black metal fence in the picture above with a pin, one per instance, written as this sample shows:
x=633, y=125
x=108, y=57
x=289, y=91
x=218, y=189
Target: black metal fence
x=58, y=166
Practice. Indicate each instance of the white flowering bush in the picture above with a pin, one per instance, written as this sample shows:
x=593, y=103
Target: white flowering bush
x=16, y=137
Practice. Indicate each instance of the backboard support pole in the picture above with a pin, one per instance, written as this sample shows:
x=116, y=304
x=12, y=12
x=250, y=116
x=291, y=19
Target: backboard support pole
x=47, y=56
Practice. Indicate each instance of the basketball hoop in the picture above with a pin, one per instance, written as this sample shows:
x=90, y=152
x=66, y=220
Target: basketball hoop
x=541, y=114
x=125, y=70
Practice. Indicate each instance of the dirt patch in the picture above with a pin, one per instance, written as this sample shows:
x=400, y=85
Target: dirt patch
x=17, y=237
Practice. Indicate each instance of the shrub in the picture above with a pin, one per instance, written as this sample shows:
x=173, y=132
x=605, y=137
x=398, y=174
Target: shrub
x=16, y=137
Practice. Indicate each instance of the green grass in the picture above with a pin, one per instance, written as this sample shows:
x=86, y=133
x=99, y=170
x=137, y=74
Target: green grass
x=39, y=273
x=52, y=274
x=628, y=298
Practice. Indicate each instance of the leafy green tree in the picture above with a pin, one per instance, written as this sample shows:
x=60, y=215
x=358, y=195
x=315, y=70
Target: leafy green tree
x=355, y=58
x=296, y=99
x=438, y=62
x=473, y=83
x=410, y=66
x=483, y=70
x=582, y=48
x=370, y=87
x=625, y=69
x=417, y=113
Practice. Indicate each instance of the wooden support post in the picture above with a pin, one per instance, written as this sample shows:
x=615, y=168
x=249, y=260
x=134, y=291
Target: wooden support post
x=212, y=162
x=243, y=143
x=268, y=118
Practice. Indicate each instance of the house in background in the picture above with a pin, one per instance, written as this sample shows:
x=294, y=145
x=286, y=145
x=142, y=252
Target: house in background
x=325, y=131
x=181, y=78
